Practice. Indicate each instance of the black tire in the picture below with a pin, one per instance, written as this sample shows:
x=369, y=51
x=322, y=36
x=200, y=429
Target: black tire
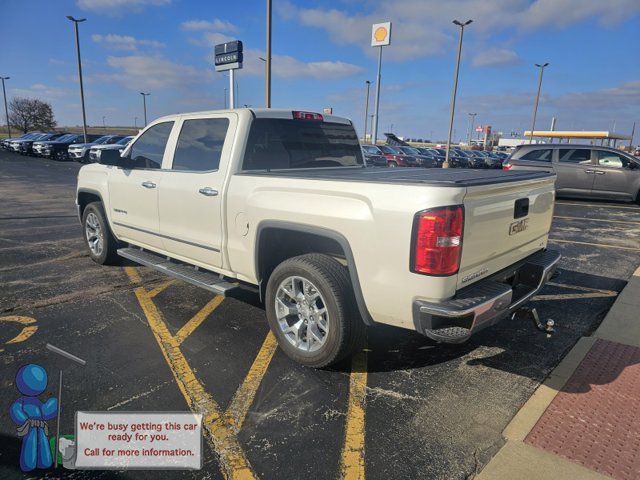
x=346, y=329
x=108, y=255
x=393, y=164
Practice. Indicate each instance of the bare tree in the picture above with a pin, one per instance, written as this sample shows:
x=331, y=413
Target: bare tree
x=28, y=114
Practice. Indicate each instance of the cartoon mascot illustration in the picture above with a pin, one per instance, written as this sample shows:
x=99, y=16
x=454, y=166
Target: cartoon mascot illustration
x=30, y=414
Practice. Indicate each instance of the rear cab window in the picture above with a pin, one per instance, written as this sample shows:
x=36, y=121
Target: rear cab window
x=200, y=143
x=276, y=143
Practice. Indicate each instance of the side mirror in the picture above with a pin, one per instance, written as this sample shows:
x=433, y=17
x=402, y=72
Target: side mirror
x=112, y=157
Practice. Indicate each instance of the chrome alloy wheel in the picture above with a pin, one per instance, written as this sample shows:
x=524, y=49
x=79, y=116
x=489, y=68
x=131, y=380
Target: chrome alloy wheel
x=302, y=314
x=95, y=236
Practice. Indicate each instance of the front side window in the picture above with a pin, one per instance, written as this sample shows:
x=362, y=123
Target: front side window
x=581, y=156
x=613, y=160
x=148, y=150
x=282, y=143
x=200, y=144
x=541, y=155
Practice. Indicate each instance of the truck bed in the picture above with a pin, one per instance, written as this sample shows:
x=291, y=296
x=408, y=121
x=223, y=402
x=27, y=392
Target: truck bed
x=452, y=177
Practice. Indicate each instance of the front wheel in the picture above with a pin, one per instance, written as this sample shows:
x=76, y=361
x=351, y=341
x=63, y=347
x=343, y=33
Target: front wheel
x=97, y=234
x=393, y=164
x=311, y=310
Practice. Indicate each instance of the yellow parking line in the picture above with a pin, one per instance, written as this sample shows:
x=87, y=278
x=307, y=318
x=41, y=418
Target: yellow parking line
x=352, y=462
x=133, y=275
x=233, y=463
x=596, y=220
x=243, y=398
x=188, y=328
x=575, y=242
x=160, y=288
x=582, y=289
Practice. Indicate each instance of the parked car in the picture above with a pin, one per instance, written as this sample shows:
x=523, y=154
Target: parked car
x=473, y=159
x=14, y=145
x=432, y=152
x=25, y=147
x=95, y=153
x=331, y=247
x=427, y=161
x=583, y=170
x=373, y=156
x=57, y=149
x=455, y=160
x=5, y=143
x=397, y=158
x=80, y=151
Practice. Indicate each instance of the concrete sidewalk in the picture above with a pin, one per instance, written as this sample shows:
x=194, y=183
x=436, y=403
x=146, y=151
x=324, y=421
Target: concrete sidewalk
x=583, y=422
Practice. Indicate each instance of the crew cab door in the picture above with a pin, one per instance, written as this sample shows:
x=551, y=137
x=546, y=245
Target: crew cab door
x=575, y=170
x=192, y=192
x=133, y=188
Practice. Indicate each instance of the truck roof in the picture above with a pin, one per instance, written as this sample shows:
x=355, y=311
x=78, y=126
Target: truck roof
x=451, y=177
x=284, y=113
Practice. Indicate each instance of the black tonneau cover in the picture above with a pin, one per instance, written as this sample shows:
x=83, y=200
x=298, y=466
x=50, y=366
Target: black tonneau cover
x=448, y=177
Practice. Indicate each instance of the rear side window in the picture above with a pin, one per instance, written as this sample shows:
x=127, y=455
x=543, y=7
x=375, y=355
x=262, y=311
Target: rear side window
x=148, y=150
x=577, y=155
x=282, y=143
x=542, y=155
x=200, y=144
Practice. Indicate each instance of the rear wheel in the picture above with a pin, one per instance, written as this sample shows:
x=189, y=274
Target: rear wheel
x=97, y=234
x=311, y=310
x=393, y=164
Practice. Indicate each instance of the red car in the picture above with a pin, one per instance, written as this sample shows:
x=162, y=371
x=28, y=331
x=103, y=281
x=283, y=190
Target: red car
x=397, y=158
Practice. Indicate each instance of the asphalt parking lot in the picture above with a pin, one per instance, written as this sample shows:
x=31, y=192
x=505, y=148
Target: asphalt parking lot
x=404, y=408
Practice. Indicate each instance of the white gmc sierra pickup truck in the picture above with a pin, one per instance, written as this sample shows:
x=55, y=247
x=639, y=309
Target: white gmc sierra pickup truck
x=279, y=201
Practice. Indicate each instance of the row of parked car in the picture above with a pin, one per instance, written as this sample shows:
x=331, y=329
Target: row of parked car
x=65, y=146
x=405, y=156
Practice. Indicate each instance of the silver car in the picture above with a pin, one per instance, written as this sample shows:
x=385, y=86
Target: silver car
x=583, y=170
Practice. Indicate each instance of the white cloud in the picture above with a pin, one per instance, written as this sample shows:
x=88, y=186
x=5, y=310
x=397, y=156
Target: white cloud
x=216, y=24
x=119, y=7
x=493, y=57
x=151, y=72
x=124, y=42
x=41, y=91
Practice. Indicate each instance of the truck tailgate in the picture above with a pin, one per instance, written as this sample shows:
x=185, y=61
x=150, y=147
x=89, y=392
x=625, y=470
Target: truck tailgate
x=504, y=223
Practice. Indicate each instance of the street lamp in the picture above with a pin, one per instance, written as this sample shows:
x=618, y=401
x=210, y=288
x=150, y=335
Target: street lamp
x=6, y=110
x=472, y=119
x=103, y=124
x=366, y=110
x=144, y=104
x=76, y=21
x=455, y=89
x=535, y=107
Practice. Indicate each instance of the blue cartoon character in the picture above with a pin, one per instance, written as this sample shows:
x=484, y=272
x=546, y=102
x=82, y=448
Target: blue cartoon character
x=31, y=415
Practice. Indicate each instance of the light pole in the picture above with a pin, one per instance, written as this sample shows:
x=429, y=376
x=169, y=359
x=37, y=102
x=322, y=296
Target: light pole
x=472, y=120
x=103, y=124
x=366, y=110
x=455, y=90
x=144, y=105
x=267, y=63
x=225, y=98
x=76, y=21
x=135, y=122
x=6, y=110
x=535, y=107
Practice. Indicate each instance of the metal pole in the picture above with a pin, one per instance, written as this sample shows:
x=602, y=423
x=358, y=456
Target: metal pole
x=553, y=127
x=135, y=122
x=225, y=98
x=633, y=132
x=455, y=90
x=144, y=105
x=267, y=63
x=366, y=111
x=6, y=110
x=84, y=116
x=535, y=108
x=55, y=450
x=374, y=139
x=103, y=124
x=472, y=119
x=232, y=95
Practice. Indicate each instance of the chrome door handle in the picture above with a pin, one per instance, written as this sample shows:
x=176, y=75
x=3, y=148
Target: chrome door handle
x=148, y=185
x=600, y=172
x=208, y=191
x=589, y=171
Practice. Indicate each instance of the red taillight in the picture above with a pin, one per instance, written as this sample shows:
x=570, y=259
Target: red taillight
x=437, y=241
x=506, y=166
x=307, y=116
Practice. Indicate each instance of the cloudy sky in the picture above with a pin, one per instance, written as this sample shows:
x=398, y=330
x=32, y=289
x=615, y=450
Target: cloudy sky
x=322, y=58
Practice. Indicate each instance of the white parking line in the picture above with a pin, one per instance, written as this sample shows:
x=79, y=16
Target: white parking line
x=596, y=220
x=599, y=205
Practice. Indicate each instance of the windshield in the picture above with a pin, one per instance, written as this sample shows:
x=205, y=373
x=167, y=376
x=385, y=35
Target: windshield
x=371, y=149
x=66, y=138
x=275, y=143
x=388, y=149
x=124, y=141
x=411, y=151
x=101, y=140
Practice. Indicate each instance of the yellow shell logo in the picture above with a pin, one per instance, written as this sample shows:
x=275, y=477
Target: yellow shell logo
x=380, y=34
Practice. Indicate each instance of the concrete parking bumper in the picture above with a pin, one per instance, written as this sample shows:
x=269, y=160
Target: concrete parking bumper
x=582, y=422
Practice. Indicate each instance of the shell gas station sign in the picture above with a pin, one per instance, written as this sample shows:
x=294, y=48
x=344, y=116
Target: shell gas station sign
x=381, y=34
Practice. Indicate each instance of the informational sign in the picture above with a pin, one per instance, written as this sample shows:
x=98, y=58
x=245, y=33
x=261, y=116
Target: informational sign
x=138, y=440
x=327, y=110
x=381, y=34
x=479, y=128
x=228, y=56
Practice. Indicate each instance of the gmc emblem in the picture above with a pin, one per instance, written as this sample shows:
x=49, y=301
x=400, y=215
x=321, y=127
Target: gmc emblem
x=519, y=226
